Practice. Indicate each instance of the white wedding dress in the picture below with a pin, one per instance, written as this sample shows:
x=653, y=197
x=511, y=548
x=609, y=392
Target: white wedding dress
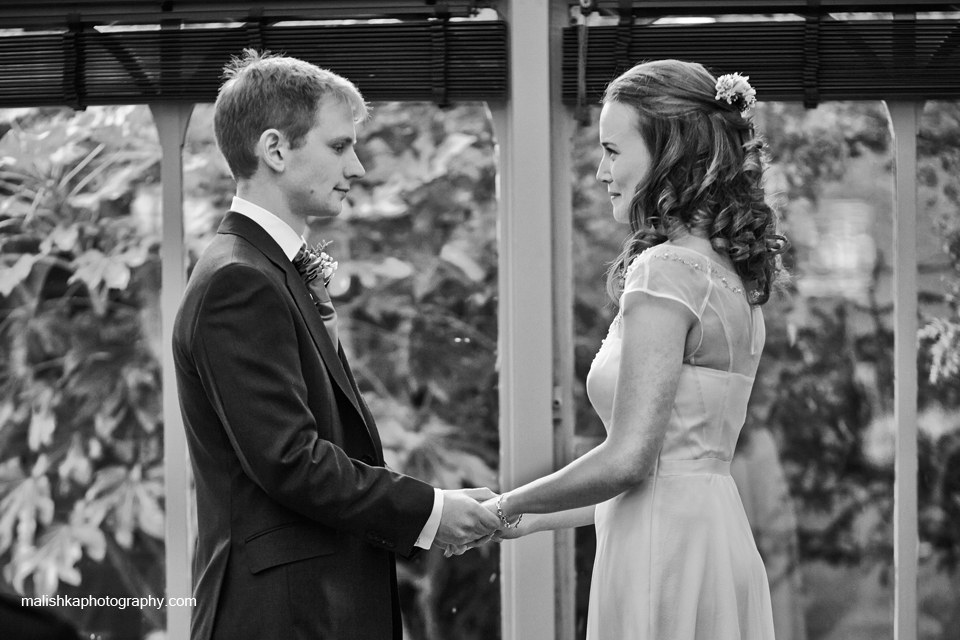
x=676, y=559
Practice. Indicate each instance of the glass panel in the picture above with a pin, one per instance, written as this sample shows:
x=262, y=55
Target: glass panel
x=938, y=258
x=419, y=287
x=416, y=297
x=597, y=239
x=815, y=461
x=81, y=446
x=815, y=465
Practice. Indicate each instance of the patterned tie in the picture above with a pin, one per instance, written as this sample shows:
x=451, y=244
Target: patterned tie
x=308, y=266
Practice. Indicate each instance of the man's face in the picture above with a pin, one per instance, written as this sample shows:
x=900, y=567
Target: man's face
x=319, y=173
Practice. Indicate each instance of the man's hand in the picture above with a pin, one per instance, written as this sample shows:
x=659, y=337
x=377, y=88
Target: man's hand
x=460, y=549
x=463, y=519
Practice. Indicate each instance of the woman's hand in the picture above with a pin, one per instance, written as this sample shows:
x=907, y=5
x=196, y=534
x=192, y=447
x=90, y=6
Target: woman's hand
x=494, y=506
x=517, y=529
x=460, y=549
x=509, y=534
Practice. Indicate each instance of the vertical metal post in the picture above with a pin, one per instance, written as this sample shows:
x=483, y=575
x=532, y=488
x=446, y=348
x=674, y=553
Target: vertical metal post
x=904, y=120
x=562, y=126
x=525, y=349
x=171, y=120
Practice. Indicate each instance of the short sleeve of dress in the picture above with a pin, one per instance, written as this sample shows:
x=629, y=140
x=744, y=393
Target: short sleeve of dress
x=662, y=272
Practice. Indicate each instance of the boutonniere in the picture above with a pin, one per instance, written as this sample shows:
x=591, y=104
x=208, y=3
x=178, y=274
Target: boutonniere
x=321, y=263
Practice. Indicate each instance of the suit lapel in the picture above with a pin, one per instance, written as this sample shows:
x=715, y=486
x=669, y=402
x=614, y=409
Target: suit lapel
x=365, y=410
x=240, y=225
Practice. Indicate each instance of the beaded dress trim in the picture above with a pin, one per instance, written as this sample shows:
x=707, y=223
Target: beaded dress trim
x=708, y=268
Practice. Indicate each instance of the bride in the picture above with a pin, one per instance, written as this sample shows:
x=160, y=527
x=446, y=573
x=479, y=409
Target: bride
x=676, y=559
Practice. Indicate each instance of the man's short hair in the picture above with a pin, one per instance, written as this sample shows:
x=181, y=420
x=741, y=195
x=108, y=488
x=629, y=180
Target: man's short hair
x=263, y=91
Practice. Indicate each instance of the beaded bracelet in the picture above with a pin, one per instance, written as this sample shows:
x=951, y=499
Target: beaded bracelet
x=503, y=520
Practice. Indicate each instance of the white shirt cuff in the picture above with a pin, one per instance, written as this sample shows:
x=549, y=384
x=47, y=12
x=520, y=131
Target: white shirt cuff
x=425, y=539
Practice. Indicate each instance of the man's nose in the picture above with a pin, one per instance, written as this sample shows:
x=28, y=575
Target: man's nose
x=354, y=169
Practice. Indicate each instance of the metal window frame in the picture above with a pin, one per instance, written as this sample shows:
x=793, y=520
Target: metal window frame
x=171, y=120
x=905, y=123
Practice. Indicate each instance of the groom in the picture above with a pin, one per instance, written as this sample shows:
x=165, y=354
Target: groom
x=299, y=520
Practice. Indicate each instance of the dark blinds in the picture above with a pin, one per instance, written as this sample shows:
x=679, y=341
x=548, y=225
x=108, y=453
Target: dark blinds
x=43, y=13
x=432, y=60
x=808, y=61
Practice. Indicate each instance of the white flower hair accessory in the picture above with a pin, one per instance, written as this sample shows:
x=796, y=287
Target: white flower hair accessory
x=736, y=90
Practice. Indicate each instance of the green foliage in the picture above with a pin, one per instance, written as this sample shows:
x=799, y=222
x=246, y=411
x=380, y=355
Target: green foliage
x=823, y=416
x=808, y=148
x=939, y=159
x=834, y=370
x=81, y=444
x=418, y=248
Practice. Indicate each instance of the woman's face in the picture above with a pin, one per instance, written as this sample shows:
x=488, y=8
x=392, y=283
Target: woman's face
x=626, y=159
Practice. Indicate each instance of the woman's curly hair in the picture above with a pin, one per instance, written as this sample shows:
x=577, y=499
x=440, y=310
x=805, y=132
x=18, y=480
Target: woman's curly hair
x=705, y=174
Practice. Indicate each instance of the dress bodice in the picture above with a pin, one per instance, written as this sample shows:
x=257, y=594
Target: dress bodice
x=719, y=368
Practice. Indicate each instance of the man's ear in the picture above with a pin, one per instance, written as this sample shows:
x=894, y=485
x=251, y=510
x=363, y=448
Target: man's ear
x=272, y=150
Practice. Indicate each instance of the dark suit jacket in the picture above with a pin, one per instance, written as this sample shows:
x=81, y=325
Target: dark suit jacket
x=299, y=520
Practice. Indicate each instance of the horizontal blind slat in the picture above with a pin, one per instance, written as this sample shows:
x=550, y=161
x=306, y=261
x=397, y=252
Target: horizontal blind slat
x=387, y=62
x=863, y=60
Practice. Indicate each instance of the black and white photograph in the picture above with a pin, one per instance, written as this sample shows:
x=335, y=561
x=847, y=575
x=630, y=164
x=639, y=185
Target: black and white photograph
x=480, y=320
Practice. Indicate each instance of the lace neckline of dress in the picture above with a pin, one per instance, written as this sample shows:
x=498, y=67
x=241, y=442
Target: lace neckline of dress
x=710, y=267
x=713, y=261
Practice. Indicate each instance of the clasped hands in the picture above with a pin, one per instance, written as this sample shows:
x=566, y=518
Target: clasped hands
x=470, y=519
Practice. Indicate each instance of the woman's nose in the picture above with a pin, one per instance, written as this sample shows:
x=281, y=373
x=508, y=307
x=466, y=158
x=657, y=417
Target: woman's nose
x=603, y=175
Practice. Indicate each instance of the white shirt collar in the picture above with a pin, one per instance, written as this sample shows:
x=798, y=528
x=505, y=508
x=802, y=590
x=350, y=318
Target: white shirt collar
x=289, y=240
